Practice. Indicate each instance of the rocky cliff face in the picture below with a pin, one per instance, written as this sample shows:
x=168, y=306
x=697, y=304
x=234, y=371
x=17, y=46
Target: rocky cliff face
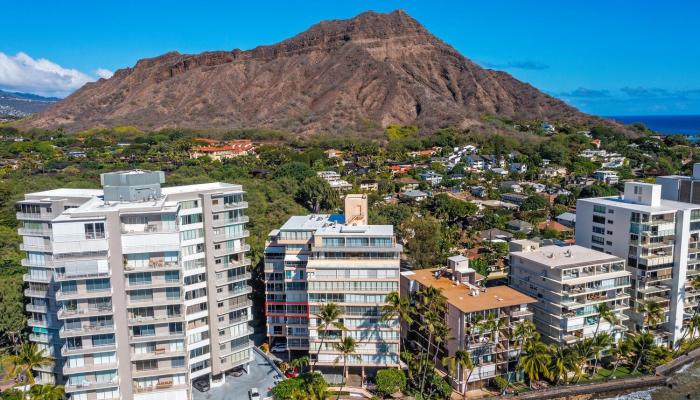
x=342, y=75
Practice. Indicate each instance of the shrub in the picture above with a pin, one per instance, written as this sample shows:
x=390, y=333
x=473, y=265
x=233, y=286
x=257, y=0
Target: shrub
x=390, y=381
x=500, y=383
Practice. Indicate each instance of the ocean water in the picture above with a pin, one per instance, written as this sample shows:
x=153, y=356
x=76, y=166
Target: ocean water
x=685, y=384
x=668, y=124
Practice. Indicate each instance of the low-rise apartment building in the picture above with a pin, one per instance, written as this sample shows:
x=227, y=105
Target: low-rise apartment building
x=659, y=239
x=136, y=290
x=324, y=258
x=569, y=283
x=468, y=306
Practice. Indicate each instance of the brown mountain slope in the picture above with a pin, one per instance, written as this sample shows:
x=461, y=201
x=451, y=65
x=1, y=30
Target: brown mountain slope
x=371, y=70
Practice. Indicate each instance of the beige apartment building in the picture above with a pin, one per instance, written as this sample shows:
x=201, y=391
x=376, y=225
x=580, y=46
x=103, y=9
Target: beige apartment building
x=569, y=283
x=137, y=290
x=317, y=259
x=469, y=304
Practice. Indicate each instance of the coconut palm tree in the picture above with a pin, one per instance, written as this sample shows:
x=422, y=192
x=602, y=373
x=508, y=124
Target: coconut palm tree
x=521, y=334
x=641, y=344
x=430, y=304
x=564, y=361
x=604, y=313
x=619, y=352
x=601, y=343
x=300, y=363
x=46, y=392
x=328, y=315
x=397, y=307
x=461, y=361
x=25, y=361
x=654, y=314
x=535, y=360
x=695, y=284
x=347, y=349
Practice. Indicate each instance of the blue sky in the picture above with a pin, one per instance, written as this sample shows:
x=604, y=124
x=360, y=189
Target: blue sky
x=605, y=57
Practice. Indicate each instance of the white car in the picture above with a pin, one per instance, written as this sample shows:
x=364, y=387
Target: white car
x=279, y=348
x=254, y=394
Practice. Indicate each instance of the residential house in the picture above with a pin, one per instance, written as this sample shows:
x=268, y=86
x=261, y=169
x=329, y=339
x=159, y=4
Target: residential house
x=430, y=176
x=517, y=225
x=606, y=176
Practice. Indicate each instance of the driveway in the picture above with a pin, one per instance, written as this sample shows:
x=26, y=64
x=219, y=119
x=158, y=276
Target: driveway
x=262, y=375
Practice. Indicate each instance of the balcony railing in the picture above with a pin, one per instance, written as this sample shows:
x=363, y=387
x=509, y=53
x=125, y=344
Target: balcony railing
x=88, y=311
x=36, y=292
x=41, y=247
x=155, y=319
x=69, y=330
x=34, y=232
x=136, y=229
x=37, y=278
x=34, y=216
x=62, y=276
x=90, y=385
x=153, y=265
x=234, y=278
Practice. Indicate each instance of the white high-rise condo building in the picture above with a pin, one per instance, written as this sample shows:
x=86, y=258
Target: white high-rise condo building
x=137, y=290
x=681, y=188
x=659, y=239
x=317, y=259
x=569, y=283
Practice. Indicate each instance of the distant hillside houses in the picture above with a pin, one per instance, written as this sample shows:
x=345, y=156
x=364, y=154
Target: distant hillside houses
x=218, y=150
x=333, y=179
x=608, y=160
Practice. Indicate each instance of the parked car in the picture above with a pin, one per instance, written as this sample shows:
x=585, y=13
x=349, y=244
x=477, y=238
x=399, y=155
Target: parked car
x=237, y=372
x=202, y=385
x=279, y=348
x=254, y=394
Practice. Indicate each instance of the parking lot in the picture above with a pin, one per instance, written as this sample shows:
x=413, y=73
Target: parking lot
x=262, y=375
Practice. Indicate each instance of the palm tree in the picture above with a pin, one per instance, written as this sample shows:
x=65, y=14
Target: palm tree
x=601, y=343
x=397, y=307
x=604, y=313
x=25, y=361
x=641, y=345
x=695, y=284
x=461, y=361
x=300, y=363
x=619, y=352
x=522, y=333
x=46, y=392
x=564, y=361
x=535, y=360
x=430, y=302
x=327, y=316
x=654, y=314
x=347, y=348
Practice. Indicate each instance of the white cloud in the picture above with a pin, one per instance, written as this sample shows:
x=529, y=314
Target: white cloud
x=41, y=76
x=104, y=73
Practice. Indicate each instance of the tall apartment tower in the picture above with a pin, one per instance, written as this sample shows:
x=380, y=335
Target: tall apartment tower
x=317, y=259
x=659, y=239
x=681, y=188
x=137, y=290
x=570, y=282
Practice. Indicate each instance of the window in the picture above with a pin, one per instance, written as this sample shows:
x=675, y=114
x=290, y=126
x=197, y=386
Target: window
x=172, y=293
x=185, y=205
x=144, y=330
x=140, y=278
x=95, y=285
x=598, y=219
x=175, y=327
x=597, y=239
x=598, y=229
x=190, y=219
x=95, y=231
x=599, y=209
x=146, y=365
x=172, y=276
x=191, y=234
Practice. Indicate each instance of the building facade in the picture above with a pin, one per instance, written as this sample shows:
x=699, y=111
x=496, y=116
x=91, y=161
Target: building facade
x=468, y=306
x=569, y=283
x=681, y=188
x=137, y=290
x=659, y=239
x=317, y=259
